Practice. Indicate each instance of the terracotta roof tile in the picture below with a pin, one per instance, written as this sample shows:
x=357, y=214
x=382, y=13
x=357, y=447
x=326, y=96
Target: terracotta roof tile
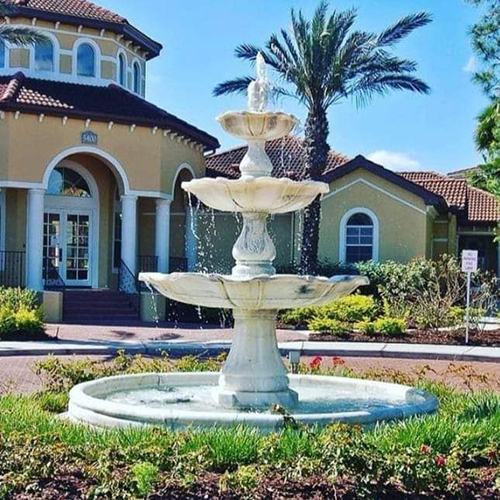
x=454, y=191
x=287, y=157
x=421, y=176
x=77, y=8
x=112, y=103
x=482, y=206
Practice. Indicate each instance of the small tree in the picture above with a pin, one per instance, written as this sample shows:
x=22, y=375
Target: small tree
x=322, y=62
x=17, y=35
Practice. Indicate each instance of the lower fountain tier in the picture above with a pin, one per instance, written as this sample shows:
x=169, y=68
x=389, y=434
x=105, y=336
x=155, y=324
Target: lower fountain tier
x=263, y=194
x=256, y=293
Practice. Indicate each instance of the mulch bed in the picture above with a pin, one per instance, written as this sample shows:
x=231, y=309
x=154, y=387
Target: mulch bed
x=490, y=338
x=73, y=485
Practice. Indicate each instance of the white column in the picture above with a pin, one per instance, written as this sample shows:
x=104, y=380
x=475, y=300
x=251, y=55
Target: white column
x=191, y=246
x=129, y=232
x=162, y=243
x=34, y=240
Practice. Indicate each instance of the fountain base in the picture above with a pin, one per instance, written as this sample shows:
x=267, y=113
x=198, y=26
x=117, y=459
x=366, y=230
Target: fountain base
x=233, y=399
x=254, y=374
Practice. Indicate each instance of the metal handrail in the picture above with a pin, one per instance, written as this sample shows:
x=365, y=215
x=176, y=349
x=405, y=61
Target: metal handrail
x=52, y=278
x=129, y=284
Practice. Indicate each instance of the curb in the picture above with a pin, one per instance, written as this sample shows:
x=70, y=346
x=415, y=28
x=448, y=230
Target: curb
x=182, y=348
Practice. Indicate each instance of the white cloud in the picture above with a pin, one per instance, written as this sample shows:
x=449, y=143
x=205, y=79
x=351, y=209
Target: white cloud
x=471, y=66
x=394, y=160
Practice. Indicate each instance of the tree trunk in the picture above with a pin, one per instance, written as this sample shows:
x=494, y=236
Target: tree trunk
x=317, y=148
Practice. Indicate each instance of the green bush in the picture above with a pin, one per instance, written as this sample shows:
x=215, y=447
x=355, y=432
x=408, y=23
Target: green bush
x=366, y=327
x=350, y=309
x=327, y=325
x=18, y=298
x=391, y=327
x=456, y=316
x=145, y=476
x=299, y=317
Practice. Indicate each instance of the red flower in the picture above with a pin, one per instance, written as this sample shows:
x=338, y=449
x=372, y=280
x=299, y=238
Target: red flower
x=316, y=362
x=338, y=361
x=492, y=455
x=425, y=449
x=440, y=461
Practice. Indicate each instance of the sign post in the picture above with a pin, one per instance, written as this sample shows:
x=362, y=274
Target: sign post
x=469, y=266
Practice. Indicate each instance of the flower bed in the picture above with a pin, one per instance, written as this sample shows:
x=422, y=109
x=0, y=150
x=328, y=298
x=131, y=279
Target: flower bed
x=452, y=454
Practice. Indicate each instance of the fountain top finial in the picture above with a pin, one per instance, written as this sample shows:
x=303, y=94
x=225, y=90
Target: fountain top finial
x=258, y=90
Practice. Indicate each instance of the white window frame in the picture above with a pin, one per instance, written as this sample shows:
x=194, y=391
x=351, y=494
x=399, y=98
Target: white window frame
x=134, y=78
x=343, y=232
x=7, y=57
x=56, y=52
x=122, y=53
x=97, y=62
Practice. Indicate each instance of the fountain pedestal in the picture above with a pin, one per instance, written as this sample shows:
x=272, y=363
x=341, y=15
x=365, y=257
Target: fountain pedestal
x=254, y=374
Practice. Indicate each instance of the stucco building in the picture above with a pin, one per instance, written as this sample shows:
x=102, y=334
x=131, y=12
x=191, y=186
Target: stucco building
x=374, y=213
x=89, y=170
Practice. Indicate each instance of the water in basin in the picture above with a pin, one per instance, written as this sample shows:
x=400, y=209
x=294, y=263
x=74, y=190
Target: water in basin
x=199, y=398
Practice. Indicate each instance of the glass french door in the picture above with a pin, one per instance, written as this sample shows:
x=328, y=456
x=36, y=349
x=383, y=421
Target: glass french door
x=67, y=248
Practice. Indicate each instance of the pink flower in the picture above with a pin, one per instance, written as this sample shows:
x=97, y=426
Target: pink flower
x=440, y=461
x=337, y=361
x=425, y=449
x=316, y=362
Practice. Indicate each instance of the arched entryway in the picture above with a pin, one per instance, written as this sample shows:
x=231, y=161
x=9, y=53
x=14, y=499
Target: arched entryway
x=71, y=227
x=183, y=221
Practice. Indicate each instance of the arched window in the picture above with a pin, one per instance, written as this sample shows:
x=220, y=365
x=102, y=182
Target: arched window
x=85, y=60
x=2, y=54
x=359, y=238
x=68, y=182
x=122, y=70
x=44, y=56
x=137, y=78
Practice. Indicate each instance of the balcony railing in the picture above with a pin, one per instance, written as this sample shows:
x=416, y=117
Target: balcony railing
x=148, y=264
x=12, y=269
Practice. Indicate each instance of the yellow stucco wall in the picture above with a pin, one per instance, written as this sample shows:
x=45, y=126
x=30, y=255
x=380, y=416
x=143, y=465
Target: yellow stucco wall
x=362, y=189
x=19, y=58
x=149, y=160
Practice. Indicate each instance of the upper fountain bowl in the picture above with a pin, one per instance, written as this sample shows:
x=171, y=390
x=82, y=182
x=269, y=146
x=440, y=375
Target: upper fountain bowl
x=257, y=126
x=263, y=195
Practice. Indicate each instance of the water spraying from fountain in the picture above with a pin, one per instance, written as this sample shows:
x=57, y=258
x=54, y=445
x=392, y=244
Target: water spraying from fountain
x=254, y=377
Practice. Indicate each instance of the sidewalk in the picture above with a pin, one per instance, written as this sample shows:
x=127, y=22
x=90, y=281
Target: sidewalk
x=183, y=347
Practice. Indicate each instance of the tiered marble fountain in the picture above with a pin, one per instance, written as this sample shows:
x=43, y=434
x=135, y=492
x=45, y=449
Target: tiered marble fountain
x=254, y=378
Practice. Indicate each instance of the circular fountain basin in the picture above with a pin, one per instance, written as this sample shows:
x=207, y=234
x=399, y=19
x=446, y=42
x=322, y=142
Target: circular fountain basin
x=181, y=400
x=261, y=126
x=262, y=194
x=281, y=291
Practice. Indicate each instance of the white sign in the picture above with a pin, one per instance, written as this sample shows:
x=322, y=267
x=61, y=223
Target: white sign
x=469, y=261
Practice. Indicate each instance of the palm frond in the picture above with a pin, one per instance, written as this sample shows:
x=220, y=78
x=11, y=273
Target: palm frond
x=403, y=28
x=236, y=86
x=20, y=36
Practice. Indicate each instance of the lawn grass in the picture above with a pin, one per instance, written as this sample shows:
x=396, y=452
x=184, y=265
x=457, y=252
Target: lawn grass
x=443, y=455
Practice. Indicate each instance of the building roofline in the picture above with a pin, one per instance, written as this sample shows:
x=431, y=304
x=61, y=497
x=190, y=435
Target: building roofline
x=152, y=47
x=361, y=162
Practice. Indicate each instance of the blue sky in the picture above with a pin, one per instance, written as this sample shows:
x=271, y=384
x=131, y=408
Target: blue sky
x=404, y=131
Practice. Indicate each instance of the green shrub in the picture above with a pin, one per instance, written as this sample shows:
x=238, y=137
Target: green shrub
x=29, y=321
x=366, y=327
x=327, y=325
x=299, y=317
x=392, y=327
x=18, y=298
x=7, y=321
x=145, y=476
x=350, y=309
x=456, y=316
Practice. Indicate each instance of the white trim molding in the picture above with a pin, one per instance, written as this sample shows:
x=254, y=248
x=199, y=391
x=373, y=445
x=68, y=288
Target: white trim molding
x=343, y=232
x=180, y=168
x=97, y=61
x=378, y=188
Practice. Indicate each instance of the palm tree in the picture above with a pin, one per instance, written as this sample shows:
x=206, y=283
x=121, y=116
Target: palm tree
x=17, y=35
x=321, y=62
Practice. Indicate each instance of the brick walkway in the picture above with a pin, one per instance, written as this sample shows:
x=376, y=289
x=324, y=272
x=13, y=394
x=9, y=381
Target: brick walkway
x=162, y=332
x=16, y=374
